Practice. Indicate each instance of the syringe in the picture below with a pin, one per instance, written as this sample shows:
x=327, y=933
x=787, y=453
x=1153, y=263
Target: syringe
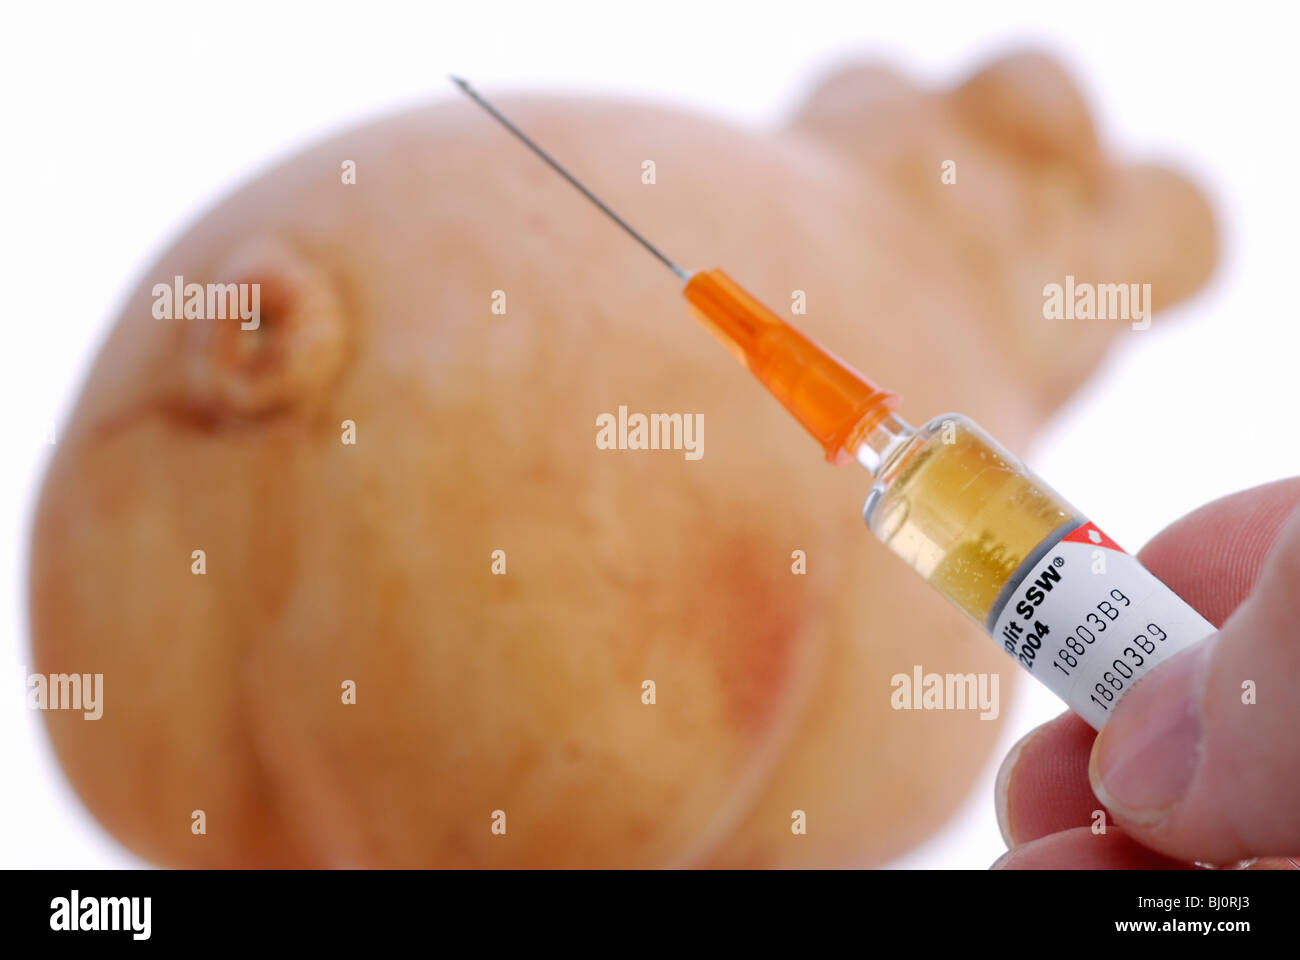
x=1062, y=598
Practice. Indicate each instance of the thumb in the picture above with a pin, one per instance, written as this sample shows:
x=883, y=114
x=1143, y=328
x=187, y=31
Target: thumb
x=1200, y=761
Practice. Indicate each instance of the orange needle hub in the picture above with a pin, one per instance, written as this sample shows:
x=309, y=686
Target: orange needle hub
x=834, y=402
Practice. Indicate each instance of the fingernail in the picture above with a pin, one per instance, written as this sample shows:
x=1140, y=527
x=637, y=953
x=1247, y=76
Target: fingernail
x=1002, y=787
x=1144, y=758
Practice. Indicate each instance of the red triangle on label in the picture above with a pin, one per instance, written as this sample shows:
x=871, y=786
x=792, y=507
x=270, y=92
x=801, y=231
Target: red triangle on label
x=1088, y=533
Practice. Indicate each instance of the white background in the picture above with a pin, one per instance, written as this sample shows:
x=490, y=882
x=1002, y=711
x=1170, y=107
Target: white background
x=119, y=125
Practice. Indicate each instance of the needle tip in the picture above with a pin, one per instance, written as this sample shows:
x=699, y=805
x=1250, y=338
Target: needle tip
x=550, y=161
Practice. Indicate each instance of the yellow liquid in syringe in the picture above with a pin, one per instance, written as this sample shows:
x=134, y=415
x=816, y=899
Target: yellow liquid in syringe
x=964, y=514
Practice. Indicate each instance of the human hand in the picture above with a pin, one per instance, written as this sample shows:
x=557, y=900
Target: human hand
x=1200, y=762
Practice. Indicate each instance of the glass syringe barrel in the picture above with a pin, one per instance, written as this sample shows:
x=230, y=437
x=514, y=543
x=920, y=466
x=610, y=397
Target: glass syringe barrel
x=1062, y=598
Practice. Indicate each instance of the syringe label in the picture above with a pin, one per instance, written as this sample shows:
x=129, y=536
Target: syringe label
x=1089, y=621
